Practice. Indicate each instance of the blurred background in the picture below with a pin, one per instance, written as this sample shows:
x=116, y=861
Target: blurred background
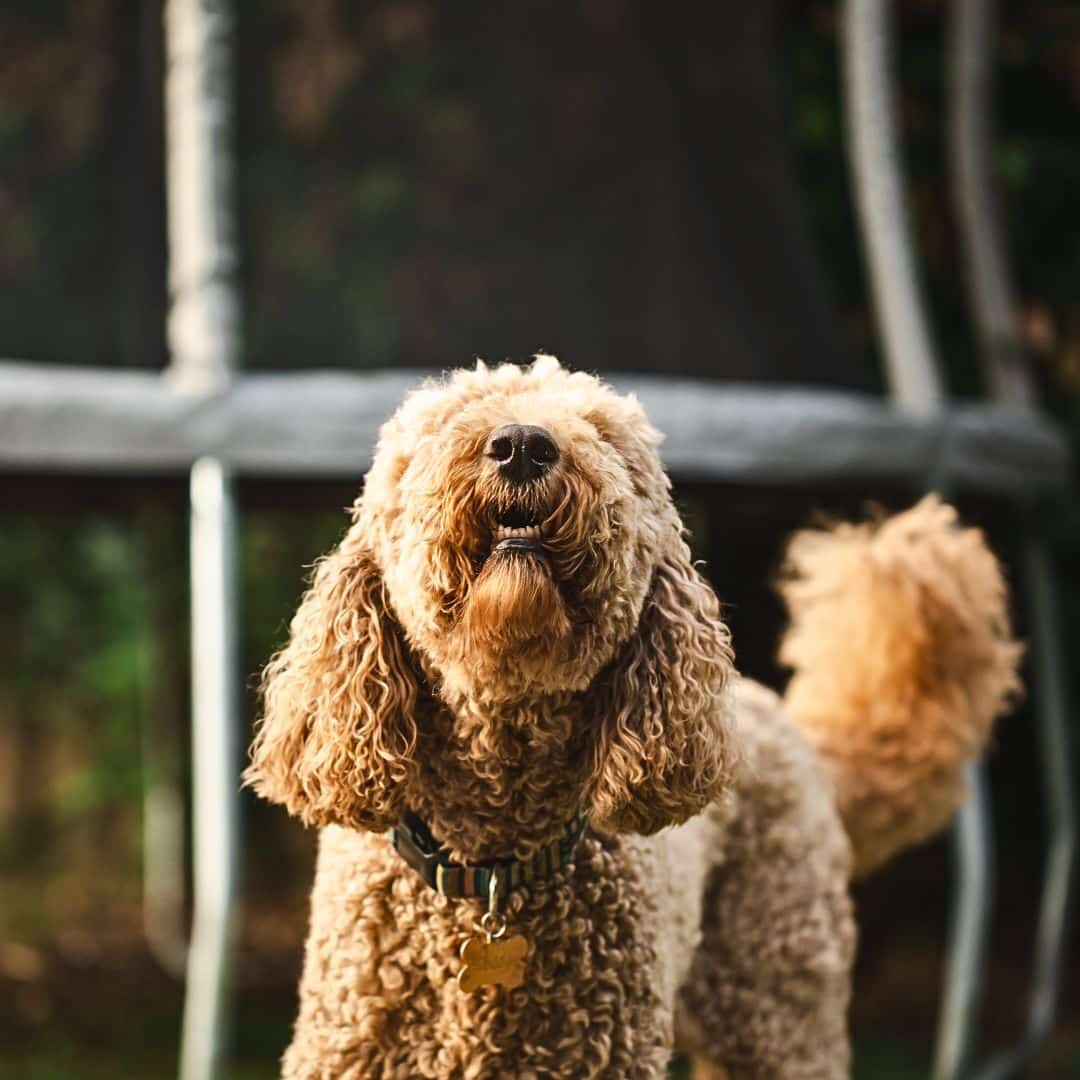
x=632, y=186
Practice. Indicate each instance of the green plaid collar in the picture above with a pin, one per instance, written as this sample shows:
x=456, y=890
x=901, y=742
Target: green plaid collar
x=413, y=841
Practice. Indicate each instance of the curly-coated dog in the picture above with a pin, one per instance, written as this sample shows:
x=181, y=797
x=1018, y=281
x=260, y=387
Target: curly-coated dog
x=559, y=832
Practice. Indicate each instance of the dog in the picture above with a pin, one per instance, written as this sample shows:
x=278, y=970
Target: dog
x=558, y=832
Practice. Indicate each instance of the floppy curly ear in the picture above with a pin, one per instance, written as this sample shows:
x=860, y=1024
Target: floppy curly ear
x=663, y=750
x=338, y=729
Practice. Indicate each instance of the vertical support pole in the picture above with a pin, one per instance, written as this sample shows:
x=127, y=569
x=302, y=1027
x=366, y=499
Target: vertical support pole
x=215, y=757
x=993, y=304
x=204, y=304
x=204, y=341
x=1052, y=933
x=874, y=155
x=969, y=926
x=915, y=383
x=1051, y=943
x=970, y=138
x=164, y=894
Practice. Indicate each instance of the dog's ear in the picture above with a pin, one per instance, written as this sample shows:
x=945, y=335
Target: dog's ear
x=336, y=739
x=663, y=749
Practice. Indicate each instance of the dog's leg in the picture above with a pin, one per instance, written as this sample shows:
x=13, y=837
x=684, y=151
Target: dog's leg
x=769, y=987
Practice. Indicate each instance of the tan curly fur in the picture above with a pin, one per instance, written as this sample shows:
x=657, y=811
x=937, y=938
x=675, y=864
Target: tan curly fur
x=495, y=694
x=918, y=607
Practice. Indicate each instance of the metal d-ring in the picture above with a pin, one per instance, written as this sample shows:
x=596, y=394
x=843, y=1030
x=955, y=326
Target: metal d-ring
x=493, y=922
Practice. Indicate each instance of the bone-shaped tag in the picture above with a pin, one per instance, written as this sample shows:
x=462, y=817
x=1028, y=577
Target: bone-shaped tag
x=500, y=962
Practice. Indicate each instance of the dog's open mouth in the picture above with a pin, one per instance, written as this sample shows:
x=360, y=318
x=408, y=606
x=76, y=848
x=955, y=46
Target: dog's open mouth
x=516, y=530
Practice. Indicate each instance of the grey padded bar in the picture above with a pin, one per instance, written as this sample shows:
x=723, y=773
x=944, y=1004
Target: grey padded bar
x=55, y=418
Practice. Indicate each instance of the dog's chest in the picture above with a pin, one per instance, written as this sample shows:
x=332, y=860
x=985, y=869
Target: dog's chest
x=610, y=938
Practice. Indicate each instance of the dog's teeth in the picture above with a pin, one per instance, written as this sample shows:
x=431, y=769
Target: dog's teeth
x=508, y=532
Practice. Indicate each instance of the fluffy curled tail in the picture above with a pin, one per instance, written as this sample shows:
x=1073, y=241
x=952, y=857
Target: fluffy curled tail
x=903, y=657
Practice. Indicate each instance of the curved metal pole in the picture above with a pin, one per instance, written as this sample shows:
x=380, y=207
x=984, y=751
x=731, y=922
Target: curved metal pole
x=874, y=155
x=204, y=339
x=1051, y=940
x=970, y=141
x=915, y=382
x=995, y=311
x=969, y=926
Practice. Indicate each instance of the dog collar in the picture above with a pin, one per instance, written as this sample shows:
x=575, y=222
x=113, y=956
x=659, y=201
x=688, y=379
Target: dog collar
x=413, y=841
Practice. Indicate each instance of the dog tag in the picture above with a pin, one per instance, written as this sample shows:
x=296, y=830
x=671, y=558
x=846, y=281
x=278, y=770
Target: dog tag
x=495, y=962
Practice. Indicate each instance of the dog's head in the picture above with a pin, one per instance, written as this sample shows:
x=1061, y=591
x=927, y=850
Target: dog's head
x=515, y=538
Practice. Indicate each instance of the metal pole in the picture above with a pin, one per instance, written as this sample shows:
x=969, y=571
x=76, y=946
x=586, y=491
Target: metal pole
x=164, y=864
x=969, y=926
x=215, y=757
x=204, y=304
x=204, y=339
x=915, y=383
x=874, y=156
x=990, y=292
x=1051, y=940
x=994, y=309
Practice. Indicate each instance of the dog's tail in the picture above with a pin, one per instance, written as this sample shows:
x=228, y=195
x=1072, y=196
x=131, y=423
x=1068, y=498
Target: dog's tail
x=903, y=657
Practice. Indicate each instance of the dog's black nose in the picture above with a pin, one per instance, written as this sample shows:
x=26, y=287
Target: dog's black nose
x=522, y=452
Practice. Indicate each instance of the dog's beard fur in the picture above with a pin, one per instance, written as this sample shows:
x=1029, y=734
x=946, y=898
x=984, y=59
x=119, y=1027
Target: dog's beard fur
x=514, y=605
x=512, y=622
